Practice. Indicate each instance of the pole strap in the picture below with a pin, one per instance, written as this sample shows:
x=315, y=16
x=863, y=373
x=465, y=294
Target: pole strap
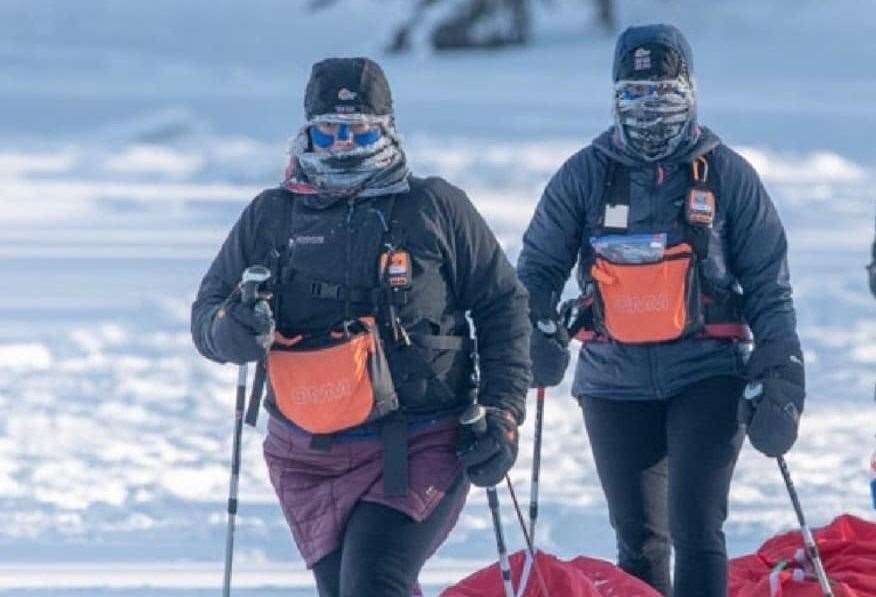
x=394, y=436
x=255, y=396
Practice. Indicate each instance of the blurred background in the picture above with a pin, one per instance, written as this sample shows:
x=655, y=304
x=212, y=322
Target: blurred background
x=132, y=134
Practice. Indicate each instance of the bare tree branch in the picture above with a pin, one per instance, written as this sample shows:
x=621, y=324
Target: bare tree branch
x=401, y=41
x=606, y=14
x=317, y=5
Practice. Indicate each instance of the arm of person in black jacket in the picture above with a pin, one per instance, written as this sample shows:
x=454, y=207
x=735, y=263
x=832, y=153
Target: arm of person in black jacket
x=759, y=260
x=485, y=284
x=218, y=285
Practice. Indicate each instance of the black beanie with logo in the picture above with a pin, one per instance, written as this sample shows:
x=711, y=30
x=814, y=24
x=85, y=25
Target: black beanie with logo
x=347, y=86
x=652, y=62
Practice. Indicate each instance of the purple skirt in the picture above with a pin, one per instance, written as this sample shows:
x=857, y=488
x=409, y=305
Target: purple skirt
x=318, y=489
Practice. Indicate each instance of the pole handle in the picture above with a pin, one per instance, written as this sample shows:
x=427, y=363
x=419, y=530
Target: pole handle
x=252, y=278
x=475, y=418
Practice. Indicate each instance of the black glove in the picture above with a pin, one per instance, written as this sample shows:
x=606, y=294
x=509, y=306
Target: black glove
x=549, y=351
x=489, y=456
x=773, y=400
x=241, y=333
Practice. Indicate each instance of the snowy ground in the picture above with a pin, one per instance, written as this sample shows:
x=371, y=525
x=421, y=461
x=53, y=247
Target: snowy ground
x=127, y=152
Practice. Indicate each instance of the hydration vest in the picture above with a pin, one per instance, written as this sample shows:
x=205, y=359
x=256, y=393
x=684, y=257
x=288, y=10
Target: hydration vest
x=650, y=299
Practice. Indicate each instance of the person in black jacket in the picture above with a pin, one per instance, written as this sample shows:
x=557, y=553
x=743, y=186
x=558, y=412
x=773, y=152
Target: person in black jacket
x=366, y=256
x=679, y=250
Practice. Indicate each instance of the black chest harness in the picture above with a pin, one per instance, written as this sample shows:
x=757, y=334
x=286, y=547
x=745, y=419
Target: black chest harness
x=709, y=312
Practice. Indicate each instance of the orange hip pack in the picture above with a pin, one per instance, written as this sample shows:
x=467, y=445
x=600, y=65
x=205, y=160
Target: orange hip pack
x=648, y=302
x=334, y=381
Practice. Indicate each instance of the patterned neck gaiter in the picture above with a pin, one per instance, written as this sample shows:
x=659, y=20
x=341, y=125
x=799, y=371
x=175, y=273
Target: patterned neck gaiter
x=379, y=168
x=654, y=117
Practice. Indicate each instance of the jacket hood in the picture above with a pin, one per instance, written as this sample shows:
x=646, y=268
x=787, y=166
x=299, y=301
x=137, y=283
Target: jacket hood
x=669, y=36
x=609, y=144
x=665, y=35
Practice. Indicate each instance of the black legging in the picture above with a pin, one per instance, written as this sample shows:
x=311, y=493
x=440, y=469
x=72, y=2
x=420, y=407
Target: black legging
x=665, y=468
x=383, y=550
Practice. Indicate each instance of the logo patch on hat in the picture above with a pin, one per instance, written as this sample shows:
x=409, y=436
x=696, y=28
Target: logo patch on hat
x=345, y=94
x=642, y=59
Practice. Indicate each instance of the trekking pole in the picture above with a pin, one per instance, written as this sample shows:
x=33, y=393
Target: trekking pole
x=533, y=493
x=475, y=419
x=536, y=462
x=249, y=286
x=752, y=391
x=808, y=540
x=524, y=577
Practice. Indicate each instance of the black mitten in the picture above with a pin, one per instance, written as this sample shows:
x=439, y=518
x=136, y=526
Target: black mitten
x=773, y=399
x=489, y=456
x=549, y=351
x=241, y=333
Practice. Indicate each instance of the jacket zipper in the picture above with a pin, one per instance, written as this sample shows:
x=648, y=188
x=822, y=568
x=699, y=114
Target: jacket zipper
x=348, y=307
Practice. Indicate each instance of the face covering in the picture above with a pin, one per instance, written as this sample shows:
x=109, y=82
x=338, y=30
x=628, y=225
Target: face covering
x=653, y=117
x=376, y=166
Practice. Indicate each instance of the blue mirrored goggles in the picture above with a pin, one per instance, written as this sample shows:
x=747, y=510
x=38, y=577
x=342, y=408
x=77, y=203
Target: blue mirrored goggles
x=325, y=140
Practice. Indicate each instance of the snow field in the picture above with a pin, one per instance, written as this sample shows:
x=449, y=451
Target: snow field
x=132, y=152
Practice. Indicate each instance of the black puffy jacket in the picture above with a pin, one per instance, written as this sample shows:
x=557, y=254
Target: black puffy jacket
x=458, y=266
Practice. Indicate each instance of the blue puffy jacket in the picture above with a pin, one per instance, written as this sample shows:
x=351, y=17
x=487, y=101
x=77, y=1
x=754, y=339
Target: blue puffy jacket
x=747, y=252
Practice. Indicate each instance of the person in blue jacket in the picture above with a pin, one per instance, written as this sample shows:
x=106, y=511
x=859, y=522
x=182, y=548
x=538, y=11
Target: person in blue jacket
x=681, y=259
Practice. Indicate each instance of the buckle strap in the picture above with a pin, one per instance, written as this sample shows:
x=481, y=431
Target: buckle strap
x=733, y=331
x=394, y=436
x=321, y=442
x=728, y=331
x=435, y=342
x=584, y=335
x=324, y=290
x=616, y=191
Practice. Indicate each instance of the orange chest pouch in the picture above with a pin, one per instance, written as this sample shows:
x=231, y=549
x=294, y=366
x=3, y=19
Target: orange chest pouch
x=332, y=381
x=655, y=301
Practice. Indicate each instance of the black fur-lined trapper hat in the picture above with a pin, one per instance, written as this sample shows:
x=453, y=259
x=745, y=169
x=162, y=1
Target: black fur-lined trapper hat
x=347, y=86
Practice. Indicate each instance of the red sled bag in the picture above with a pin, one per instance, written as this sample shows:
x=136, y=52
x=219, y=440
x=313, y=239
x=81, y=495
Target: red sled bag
x=780, y=567
x=580, y=577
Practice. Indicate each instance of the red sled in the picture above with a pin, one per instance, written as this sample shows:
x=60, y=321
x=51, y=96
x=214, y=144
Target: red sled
x=579, y=577
x=780, y=567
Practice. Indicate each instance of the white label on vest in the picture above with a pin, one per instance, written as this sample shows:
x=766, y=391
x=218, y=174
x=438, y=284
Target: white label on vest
x=616, y=216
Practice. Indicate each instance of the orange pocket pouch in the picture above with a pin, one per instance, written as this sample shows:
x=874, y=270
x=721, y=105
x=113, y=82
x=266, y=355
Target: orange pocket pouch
x=332, y=382
x=648, y=302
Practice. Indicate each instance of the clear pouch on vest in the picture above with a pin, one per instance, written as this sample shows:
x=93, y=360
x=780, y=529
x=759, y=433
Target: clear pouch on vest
x=632, y=248
x=332, y=382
